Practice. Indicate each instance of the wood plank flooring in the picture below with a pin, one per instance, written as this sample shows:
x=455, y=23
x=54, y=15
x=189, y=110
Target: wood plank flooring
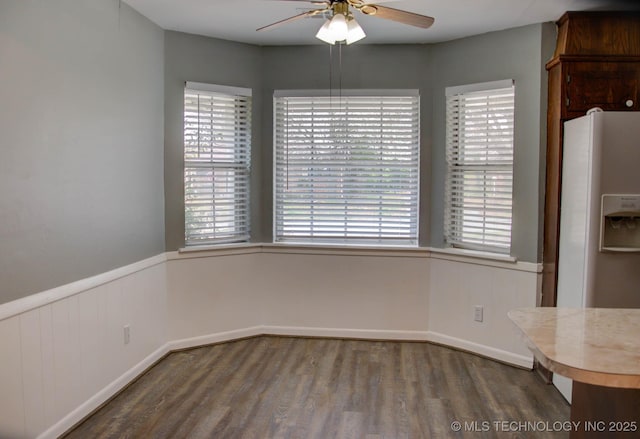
x=279, y=387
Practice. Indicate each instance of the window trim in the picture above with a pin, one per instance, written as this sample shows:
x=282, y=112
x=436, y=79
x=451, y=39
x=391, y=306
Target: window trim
x=469, y=90
x=216, y=88
x=230, y=92
x=311, y=93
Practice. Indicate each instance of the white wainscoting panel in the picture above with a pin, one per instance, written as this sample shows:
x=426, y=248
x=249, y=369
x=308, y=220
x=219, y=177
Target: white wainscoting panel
x=47, y=393
x=66, y=360
x=457, y=287
x=32, y=372
x=350, y=293
x=12, y=419
x=58, y=356
x=216, y=294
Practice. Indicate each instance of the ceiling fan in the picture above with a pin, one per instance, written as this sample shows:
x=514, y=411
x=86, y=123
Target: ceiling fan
x=342, y=26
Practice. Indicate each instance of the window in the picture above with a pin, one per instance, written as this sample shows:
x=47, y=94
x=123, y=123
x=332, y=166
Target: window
x=347, y=167
x=217, y=150
x=479, y=152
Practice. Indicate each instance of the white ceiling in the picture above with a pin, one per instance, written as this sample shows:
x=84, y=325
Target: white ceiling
x=237, y=20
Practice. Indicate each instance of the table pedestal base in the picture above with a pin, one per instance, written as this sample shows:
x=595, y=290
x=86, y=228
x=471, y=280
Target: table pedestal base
x=605, y=412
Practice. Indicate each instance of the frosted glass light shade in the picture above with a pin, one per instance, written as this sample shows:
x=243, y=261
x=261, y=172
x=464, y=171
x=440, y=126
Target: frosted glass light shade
x=325, y=34
x=354, y=31
x=338, y=27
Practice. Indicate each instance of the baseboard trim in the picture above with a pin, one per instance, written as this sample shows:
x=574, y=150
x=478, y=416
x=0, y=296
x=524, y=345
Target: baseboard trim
x=218, y=337
x=295, y=331
x=86, y=408
x=480, y=349
x=364, y=334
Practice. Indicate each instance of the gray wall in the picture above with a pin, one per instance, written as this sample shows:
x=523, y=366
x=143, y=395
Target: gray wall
x=517, y=54
x=81, y=150
x=201, y=59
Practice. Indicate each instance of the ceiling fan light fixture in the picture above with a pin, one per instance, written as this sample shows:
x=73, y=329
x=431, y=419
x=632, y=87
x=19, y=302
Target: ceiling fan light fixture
x=354, y=31
x=340, y=28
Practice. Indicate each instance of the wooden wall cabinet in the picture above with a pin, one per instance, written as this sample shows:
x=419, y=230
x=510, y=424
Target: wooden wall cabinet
x=596, y=64
x=609, y=85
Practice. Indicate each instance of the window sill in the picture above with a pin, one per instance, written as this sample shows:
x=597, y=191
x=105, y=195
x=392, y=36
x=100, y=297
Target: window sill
x=214, y=247
x=450, y=254
x=280, y=247
x=315, y=248
x=210, y=250
x=473, y=254
x=342, y=249
x=297, y=248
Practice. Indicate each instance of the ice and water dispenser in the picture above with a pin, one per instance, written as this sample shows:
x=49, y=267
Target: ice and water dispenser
x=620, y=223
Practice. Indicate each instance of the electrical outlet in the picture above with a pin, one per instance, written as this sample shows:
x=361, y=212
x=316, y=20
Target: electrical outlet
x=127, y=334
x=478, y=313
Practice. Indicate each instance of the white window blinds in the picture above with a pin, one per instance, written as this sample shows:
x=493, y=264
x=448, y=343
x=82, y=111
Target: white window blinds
x=347, y=168
x=479, y=154
x=217, y=150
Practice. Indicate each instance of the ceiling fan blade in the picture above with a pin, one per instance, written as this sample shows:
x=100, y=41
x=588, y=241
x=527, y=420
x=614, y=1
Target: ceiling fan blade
x=290, y=19
x=405, y=17
x=315, y=2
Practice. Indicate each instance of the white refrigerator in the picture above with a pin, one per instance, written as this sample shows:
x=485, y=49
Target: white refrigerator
x=599, y=250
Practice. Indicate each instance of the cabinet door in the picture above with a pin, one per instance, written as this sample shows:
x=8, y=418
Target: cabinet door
x=612, y=86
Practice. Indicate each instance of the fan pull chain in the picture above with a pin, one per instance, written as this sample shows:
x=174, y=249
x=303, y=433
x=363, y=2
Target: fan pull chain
x=343, y=109
x=330, y=74
x=340, y=73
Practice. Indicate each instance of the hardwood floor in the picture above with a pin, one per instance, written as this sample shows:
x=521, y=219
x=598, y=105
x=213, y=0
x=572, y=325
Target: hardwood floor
x=279, y=387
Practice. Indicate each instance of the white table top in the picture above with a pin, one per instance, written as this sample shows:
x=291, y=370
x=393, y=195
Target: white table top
x=598, y=346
